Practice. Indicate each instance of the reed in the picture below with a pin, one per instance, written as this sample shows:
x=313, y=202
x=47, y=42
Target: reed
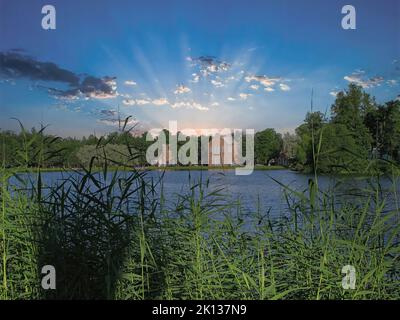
x=114, y=235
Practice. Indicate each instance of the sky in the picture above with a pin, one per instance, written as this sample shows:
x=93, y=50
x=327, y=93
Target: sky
x=205, y=64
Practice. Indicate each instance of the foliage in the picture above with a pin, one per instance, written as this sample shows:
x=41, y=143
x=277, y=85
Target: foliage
x=358, y=130
x=267, y=145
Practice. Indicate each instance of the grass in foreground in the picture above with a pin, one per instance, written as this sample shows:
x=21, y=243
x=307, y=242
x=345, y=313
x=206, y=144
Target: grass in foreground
x=113, y=235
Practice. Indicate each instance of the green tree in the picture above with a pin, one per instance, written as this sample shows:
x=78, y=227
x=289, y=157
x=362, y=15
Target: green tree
x=338, y=150
x=350, y=109
x=384, y=126
x=308, y=134
x=267, y=145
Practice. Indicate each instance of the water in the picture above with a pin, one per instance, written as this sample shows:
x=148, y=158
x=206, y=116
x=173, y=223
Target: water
x=258, y=191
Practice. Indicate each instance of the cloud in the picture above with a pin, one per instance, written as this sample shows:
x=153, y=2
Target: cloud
x=267, y=82
x=217, y=83
x=109, y=113
x=141, y=102
x=160, y=102
x=130, y=83
x=195, y=78
x=129, y=102
x=334, y=93
x=124, y=95
x=358, y=77
x=132, y=102
x=99, y=88
x=244, y=96
x=181, y=89
x=231, y=99
x=392, y=82
x=284, y=87
x=263, y=80
x=209, y=65
x=15, y=65
x=189, y=105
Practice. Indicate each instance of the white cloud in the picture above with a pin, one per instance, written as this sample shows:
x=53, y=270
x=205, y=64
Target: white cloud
x=244, y=96
x=129, y=102
x=358, y=78
x=254, y=86
x=231, y=99
x=269, y=89
x=195, y=78
x=124, y=95
x=284, y=87
x=181, y=89
x=130, y=83
x=217, y=83
x=264, y=80
x=189, y=105
x=334, y=93
x=160, y=102
x=231, y=78
x=141, y=102
x=209, y=65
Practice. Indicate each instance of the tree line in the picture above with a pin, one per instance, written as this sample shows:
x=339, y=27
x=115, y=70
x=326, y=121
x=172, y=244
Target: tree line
x=358, y=129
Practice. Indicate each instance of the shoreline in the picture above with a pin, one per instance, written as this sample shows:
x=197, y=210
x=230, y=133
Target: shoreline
x=153, y=168
x=196, y=168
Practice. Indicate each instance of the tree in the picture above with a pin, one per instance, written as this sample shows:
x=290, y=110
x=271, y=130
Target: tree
x=267, y=145
x=384, y=126
x=308, y=134
x=338, y=150
x=350, y=108
x=289, y=145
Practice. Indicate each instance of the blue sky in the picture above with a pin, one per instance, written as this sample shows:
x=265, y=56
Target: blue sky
x=206, y=64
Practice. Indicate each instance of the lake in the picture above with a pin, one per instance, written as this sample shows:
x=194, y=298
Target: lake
x=258, y=190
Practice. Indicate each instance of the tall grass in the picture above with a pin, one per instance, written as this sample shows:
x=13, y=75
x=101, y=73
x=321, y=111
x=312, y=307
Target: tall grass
x=115, y=235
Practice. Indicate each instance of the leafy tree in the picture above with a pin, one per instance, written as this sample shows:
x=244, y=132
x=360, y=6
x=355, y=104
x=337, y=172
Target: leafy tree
x=289, y=145
x=350, y=108
x=267, y=145
x=384, y=126
x=338, y=150
x=308, y=134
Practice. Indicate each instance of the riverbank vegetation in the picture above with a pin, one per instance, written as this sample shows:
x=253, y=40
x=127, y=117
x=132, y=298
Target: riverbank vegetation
x=113, y=236
x=358, y=130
